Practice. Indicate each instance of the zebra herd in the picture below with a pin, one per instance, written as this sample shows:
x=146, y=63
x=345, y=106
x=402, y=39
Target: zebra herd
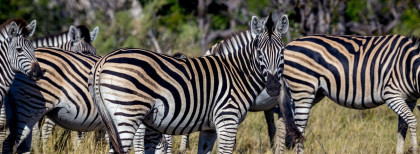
x=139, y=95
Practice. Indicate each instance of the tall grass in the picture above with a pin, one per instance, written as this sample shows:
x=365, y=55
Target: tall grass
x=331, y=127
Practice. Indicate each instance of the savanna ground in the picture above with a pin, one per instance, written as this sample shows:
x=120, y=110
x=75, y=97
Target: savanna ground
x=331, y=127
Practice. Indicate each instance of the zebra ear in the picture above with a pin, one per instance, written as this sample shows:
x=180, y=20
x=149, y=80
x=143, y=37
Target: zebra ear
x=13, y=30
x=283, y=24
x=257, y=26
x=94, y=34
x=31, y=28
x=74, y=34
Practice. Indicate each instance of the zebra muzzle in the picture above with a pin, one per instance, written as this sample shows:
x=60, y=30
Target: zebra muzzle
x=35, y=73
x=272, y=85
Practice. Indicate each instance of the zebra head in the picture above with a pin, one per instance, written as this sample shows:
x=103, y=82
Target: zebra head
x=21, y=51
x=81, y=38
x=268, y=50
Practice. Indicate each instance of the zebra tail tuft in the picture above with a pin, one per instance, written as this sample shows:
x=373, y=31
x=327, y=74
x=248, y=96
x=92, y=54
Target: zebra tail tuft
x=287, y=109
x=110, y=126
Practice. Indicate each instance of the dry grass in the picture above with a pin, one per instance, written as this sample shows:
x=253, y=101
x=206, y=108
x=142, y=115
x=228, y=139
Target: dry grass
x=338, y=130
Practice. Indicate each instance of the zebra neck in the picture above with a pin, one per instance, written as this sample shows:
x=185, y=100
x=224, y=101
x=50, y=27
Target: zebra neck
x=7, y=74
x=237, y=53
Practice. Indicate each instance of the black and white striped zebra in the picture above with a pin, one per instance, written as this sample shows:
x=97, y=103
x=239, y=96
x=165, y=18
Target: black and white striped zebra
x=16, y=53
x=77, y=39
x=359, y=72
x=61, y=94
x=180, y=96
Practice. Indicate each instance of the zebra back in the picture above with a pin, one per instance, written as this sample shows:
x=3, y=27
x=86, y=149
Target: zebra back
x=77, y=39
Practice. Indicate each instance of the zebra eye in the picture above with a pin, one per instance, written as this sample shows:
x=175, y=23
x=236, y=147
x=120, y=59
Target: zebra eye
x=19, y=49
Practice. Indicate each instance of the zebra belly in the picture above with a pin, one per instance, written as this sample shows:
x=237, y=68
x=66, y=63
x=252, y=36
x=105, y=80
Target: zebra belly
x=360, y=104
x=157, y=120
x=66, y=116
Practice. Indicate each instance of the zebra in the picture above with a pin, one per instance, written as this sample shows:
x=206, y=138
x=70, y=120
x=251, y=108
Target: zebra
x=165, y=144
x=259, y=105
x=61, y=94
x=164, y=93
x=77, y=39
x=358, y=72
x=63, y=89
x=16, y=53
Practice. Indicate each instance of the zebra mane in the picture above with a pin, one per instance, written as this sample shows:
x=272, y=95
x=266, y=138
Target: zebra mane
x=20, y=22
x=416, y=41
x=237, y=38
x=84, y=33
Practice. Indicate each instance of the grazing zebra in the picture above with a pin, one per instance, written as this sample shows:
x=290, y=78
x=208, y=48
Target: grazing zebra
x=61, y=94
x=16, y=53
x=359, y=72
x=180, y=96
x=77, y=39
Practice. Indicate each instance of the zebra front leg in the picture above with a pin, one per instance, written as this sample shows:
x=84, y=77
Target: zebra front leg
x=206, y=141
x=399, y=106
x=302, y=110
x=185, y=144
x=25, y=146
x=226, y=123
x=269, y=118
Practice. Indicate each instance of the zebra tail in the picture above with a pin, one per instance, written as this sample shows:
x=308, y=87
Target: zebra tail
x=110, y=126
x=287, y=109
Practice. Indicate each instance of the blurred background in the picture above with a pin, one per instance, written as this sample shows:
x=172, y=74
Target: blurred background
x=192, y=26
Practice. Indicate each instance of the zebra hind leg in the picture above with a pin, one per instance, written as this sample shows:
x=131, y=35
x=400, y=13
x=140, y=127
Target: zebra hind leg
x=185, y=144
x=206, y=141
x=399, y=106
